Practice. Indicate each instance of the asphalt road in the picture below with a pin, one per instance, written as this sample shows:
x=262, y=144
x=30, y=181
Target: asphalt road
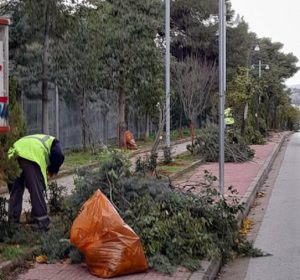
x=277, y=223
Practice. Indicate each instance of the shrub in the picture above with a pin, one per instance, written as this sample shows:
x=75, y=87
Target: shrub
x=254, y=137
x=56, y=201
x=146, y=165
x=54, y=244
x=4, y=225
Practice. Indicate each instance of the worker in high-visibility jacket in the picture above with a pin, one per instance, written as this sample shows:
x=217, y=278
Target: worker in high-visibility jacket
x=228, y=117
x=229, y=124
x=40, y=157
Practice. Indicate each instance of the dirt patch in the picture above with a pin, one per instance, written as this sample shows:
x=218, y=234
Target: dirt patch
x=165, y=172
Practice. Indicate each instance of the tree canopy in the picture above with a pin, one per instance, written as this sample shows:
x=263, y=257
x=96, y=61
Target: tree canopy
x=92, y=47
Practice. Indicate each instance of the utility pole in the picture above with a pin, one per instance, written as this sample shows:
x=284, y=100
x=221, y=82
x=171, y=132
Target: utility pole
x=56, y=111
x=222, y=89
x=167, y=73
x=4, y=74
x=258, y=96
x=259, y=65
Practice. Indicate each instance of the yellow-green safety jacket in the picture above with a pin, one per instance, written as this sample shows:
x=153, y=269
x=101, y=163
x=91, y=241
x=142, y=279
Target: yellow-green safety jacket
x=35, y=148
x=228, y=116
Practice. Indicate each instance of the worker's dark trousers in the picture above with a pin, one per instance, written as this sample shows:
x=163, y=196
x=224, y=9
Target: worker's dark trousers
x=32, y=178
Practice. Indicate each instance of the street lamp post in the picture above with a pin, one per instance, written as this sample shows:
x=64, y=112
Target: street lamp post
x=222, y=89
x=259, y=65
x=167, y=71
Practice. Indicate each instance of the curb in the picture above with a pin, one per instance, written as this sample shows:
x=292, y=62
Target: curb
x=254, y=187
x=211, y=268
x=8, y=266
x=187, y=169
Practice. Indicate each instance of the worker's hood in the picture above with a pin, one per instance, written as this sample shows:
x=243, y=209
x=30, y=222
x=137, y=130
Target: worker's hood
x=56, y=157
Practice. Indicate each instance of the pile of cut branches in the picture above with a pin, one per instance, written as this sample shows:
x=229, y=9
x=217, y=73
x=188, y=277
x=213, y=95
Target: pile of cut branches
x=175, y=227
x=206, y=146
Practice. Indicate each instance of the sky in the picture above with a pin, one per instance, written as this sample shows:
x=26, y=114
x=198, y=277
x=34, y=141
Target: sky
x=278, y=20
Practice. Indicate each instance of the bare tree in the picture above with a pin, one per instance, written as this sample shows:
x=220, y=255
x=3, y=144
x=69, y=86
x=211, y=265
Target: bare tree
x=194, y=79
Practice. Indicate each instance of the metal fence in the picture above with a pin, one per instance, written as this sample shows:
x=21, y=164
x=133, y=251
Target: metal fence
x=101, y=119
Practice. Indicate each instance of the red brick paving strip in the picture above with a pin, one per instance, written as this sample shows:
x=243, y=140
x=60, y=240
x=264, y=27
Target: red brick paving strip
x=80, y=272
x=238, y=175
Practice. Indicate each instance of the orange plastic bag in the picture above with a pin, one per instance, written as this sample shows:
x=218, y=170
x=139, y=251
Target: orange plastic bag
x=130, y=142
x=110, y=246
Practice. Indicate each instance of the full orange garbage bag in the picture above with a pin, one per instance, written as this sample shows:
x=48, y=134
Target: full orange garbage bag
x=130, y=142
x=110, y=246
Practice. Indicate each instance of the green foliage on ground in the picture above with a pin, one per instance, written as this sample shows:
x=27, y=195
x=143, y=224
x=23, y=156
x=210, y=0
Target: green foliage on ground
x=146, y=164
x=12, y=252
x=254, y=136
x=56, y=201
x=52, y=243
x=4, y=225
x=206, y=146
x=175, y=227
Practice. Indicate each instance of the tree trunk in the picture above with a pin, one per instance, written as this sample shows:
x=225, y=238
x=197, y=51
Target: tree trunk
x=104, y=112
x=192, y=131
x=138, y=128
x=147, y=120
x=121, y=119
x=275, y=121
x=159, y=132
x=268, y=110
x=45, y=69
x=104, y=131
x=83, y=119
x=56, y=111
x=244, y=119
x=180, y=125
x=151, y=127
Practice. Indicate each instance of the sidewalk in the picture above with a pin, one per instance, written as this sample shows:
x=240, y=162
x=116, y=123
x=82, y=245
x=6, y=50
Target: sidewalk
x=245, y=177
